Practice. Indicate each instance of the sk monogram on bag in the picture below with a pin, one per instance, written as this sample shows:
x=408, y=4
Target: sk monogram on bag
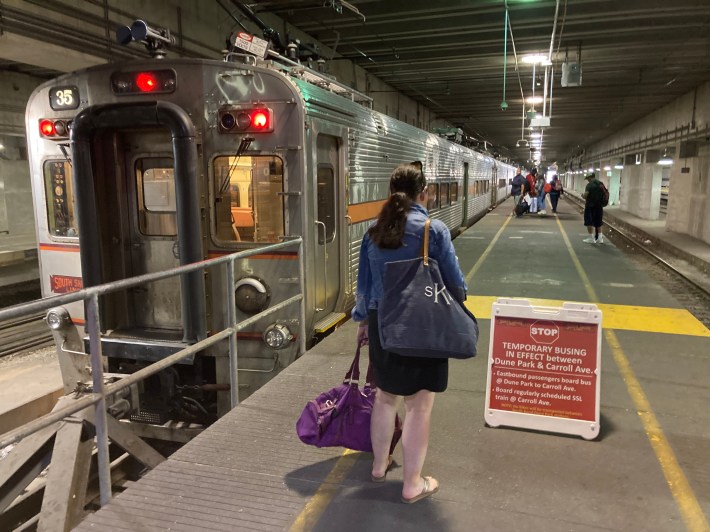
x=435, y=292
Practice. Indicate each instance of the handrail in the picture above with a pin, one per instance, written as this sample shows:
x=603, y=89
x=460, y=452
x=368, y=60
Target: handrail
x=101, y=391
x=102, y=289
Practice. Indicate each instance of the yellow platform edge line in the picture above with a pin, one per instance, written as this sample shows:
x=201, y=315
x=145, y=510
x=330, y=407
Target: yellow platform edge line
x=317, y=504
x=618, y=317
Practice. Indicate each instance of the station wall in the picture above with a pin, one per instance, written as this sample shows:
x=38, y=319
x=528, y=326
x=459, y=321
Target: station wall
x=680, y=128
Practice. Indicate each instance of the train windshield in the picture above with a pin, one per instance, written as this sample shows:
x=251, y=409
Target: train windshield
x=249, y=206
x=60, y=199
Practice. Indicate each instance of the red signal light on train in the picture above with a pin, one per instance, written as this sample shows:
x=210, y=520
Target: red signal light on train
x=260, y=120
x=236, y=120
x=46, y=127
x=146, y=82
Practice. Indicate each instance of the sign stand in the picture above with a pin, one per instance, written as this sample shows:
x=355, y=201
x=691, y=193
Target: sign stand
x=544, y=367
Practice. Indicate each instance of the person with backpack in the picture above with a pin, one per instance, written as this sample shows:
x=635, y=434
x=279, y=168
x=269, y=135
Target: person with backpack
x=596, y=197
x=555, y=192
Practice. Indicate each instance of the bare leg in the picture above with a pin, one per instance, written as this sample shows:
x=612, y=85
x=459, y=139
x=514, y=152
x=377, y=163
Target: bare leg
x=415, y=440
x=384, y=412
x=589, y=229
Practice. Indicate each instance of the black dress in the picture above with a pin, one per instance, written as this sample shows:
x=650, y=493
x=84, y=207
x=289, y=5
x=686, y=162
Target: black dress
x=400, y=375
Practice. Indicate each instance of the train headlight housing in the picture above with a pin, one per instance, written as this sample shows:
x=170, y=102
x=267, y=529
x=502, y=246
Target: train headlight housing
x=252, y=295
x=277, y=336
x=58, y=318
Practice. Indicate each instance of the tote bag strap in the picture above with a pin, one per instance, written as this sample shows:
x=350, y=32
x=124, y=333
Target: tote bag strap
x=425, y=244
x=353, y=374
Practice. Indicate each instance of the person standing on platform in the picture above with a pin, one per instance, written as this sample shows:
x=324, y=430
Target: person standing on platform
x=540, y=191
x=516, y=189
x=529, y=189
x=398, y=235
x=555, y=192
x=593, y=209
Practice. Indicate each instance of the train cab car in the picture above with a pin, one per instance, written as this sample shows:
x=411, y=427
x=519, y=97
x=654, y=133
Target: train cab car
x=145, y=166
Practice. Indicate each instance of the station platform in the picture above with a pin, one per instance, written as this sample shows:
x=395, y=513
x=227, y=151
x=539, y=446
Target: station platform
x=647, y=470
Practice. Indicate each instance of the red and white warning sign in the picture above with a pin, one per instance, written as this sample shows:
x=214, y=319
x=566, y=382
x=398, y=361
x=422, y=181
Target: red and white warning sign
x=543, y=367
x=250, y=43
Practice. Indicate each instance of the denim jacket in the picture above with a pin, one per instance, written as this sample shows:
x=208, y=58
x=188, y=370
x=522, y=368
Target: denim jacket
x=372, y=261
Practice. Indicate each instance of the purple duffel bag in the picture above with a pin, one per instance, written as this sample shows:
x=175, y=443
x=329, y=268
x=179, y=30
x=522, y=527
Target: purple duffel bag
x=340, y=417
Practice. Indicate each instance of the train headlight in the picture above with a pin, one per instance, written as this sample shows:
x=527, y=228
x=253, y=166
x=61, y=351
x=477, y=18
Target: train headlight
x=58, y=318
x=252, y=295
x=277, y=336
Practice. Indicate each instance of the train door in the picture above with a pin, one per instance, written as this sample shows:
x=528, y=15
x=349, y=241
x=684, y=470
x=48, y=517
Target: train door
x=152, y=229
x=466, y=199
x=328, y=214
x=494, y=184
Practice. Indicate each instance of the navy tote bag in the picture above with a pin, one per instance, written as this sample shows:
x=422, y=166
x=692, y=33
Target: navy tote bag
x=418, y=316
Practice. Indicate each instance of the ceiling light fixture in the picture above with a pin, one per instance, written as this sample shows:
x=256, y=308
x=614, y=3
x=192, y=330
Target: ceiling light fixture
x=534, y=99
x=536, y=59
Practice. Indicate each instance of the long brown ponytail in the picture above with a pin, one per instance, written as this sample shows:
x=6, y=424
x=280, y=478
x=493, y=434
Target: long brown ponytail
x=406, y=183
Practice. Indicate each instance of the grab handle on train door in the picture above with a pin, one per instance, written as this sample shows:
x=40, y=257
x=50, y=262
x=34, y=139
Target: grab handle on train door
x=325, y=265
x=349, y=289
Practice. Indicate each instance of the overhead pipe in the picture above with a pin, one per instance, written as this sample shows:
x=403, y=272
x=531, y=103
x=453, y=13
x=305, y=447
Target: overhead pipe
x=504, y=104
x=549, y=58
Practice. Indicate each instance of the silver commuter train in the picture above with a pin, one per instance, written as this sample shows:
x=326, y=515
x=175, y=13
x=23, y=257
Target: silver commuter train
x=174, y=161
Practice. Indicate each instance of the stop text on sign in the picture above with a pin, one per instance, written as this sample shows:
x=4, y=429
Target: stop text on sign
x=544, y=332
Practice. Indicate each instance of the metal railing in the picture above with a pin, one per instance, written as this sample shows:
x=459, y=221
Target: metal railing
x=100, y=392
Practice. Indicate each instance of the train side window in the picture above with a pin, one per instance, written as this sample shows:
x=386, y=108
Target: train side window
x=59, y=195
x=249, y=205
x=444, y=193
x=326, y=202
x=433, y=201
x=454, y=192
x=156, y=196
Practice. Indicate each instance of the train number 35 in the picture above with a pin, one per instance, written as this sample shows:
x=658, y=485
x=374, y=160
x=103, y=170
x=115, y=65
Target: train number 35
x=65, y=98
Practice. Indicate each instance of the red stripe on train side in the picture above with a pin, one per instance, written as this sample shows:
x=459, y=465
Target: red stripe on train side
x=59, y=247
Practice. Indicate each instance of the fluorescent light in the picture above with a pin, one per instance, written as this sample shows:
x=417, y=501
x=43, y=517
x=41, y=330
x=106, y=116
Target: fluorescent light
x=534, y=99
x=607, y=167
x=535, y=135
x=665, y=161
x=619, y=166
x=535, y=59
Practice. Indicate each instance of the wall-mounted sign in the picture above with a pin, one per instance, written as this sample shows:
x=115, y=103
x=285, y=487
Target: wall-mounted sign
x=543, y=367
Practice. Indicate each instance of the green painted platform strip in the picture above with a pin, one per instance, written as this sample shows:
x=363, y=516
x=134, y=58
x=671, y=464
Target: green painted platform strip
x=618, y=317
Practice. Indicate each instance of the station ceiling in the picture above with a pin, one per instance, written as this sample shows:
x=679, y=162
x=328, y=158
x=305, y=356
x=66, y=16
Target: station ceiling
x=636, y=56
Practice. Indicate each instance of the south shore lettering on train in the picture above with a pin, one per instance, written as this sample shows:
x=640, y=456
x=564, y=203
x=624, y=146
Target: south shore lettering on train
x=544, y=368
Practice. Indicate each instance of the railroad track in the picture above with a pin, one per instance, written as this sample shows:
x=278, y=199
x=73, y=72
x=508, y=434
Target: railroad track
x=24, y=334
x=685, y=287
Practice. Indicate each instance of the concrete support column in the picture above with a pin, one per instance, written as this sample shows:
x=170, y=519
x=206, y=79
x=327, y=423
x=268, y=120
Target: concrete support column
x=614, y=186
x=641, y=190
x=689, y=196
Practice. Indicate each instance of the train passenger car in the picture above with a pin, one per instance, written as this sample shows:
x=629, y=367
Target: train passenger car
x=143, y=166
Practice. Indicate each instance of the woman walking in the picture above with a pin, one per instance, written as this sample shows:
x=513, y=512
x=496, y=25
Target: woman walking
x=398, y=235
